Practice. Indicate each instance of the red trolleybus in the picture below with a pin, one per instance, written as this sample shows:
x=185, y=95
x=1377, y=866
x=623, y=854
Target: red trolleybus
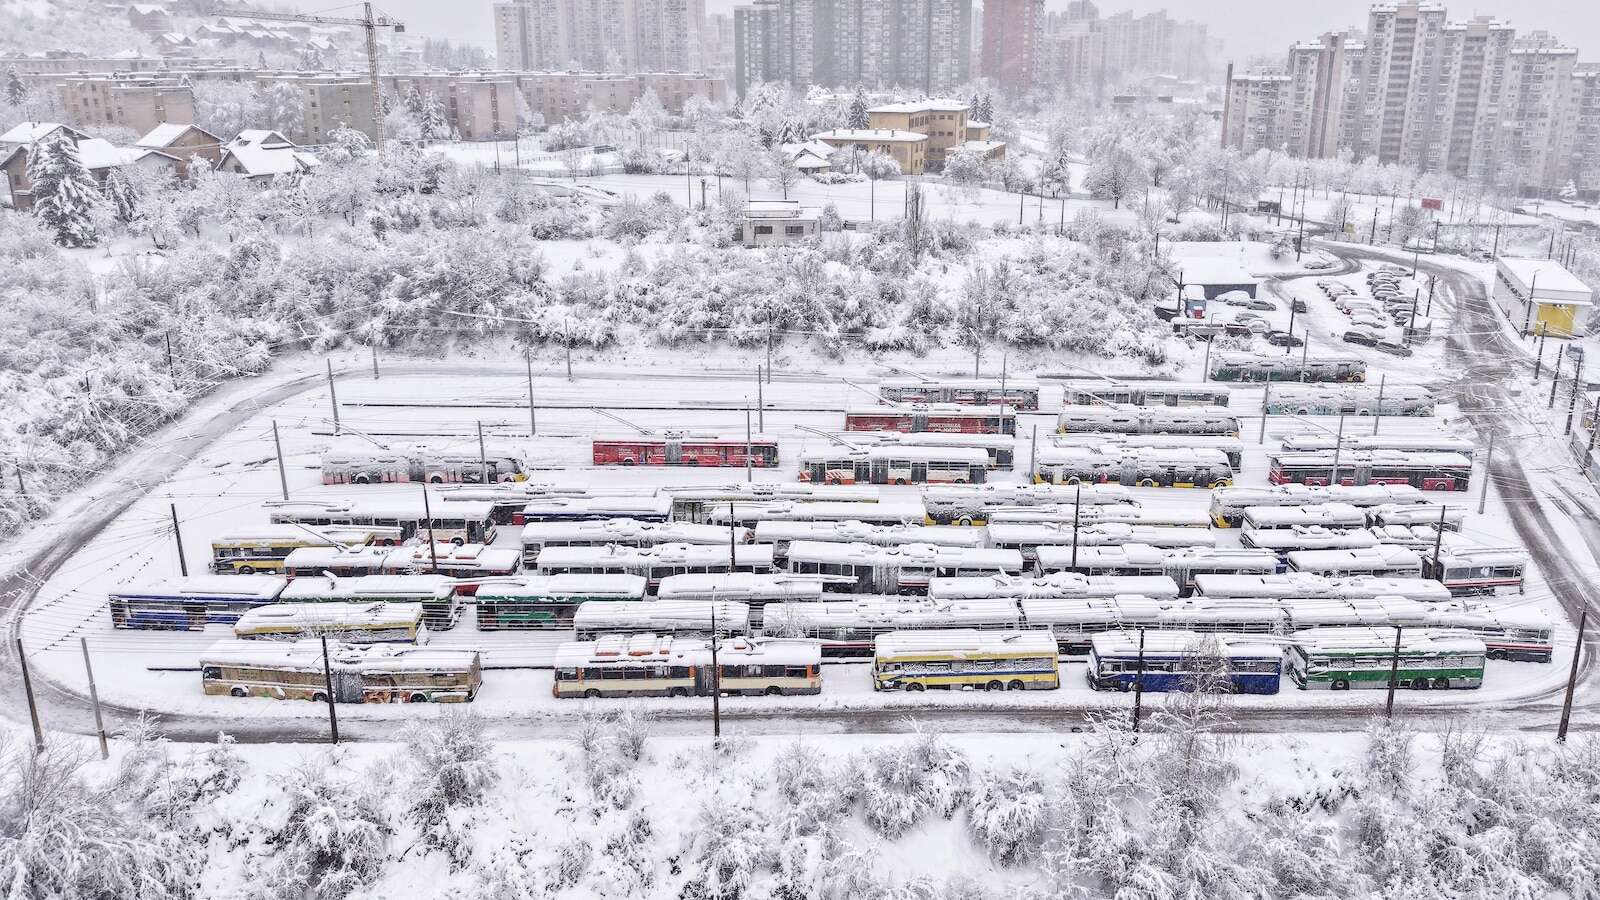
x=1428, y=471
x=948, y=418
x=687, y=450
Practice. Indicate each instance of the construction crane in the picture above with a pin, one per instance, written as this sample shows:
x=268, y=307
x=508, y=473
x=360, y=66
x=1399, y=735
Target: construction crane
x=371, y=23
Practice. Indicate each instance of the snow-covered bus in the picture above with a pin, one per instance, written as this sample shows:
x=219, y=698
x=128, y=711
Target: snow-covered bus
x=441, y=604
x=471, y=563
x=1403, y=442
x=1508, y=632
x=1231, y=447
x=1383, y=560
x=781, y=534
x=1075, y=622
x=190, y=603
x=549, y=601
x=1028, y=537
x=1001, y=448
x=1466, y=568
x=971, y=504
x=1019, y=393
x=1284, y=541
x=1343, y=659
x=654, y=563
x=956, y=659
x=1178, y=660
x=1427, y=471
x=648, y=665
x=849, y=627
x=952, y=418
x=366, y=464
x=1091, y=392
x=1342, y=516
x=462, y=522
x=536, y=536
x=1236, y=367
x=377, y=673
x=1110, y=559
x=1146, y=514
x=263, y=548
x=1388, y=399
x=866, y=569
x=342, y=561
x=894, y=464
x=1055, y=584
x=1430, y=514
x=650, y=508
x=754, y=590
x=692, y=503
x=1135, y=467
x=602, y=617
x=1292, y=584
x=349, y=623
x=1182, y=564
x=1198, y=420
x=1229, y=503
x=706, y=451
x=899, y=511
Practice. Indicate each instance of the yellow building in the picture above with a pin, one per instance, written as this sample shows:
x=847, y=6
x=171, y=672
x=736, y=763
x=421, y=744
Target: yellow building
x=943, y=121
x=1541, y=295
x=908, y=148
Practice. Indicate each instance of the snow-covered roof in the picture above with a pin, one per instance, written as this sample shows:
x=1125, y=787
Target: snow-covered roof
x=248, y=587
x=1552, y=277
x=892, y=612
x=868, y=135
x=984, y=147
x=557, y=587
x=307, y=654
x=166, y=133
x=636, y=615
x=1364, y=641
x=650, y=649
x=147, y=9
x=605, y=531
x=29, y=132
x=1180, y=643
x=964, y=643
x=99, y=153
x=808, y=161
x=260, y=137
x=779, y=209
x=257, y=161
x=369, y=587
x=738, y=586
x=916, y=106
x=613, y=506
x=913, y=556
x=1055, y=584
x=1123, y=556
x=1383, y=556
x=613, y=556
x=290, y=618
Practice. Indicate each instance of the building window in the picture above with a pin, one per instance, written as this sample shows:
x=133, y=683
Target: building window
x=763, y=229
x=794, y=230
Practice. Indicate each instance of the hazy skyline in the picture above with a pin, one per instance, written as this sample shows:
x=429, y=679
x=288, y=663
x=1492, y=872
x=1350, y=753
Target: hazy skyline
x=1249, y=27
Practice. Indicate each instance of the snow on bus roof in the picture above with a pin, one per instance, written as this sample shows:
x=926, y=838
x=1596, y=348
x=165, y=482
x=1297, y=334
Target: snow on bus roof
x=301, y=557
x=622, y=528
x=1238, y=357
x=1099, y=534
x=773, y=490
x=904, y=509
x=1094, y=610
x=960, y=410
x=1418, y=513
x=893, y=612
x=1340, y=512
x=383, y=507
x=308, y=654
x=974, y=456
x=644, y=613
x=326, y=535
x=1365, y=640
x=1091, y=385
x=1468, y=614
x=479, y=555
x=640, y=649
x=555, y=587
x=1289, y=390
x=654, y=504
x=244, y=587
x=1356, y=495
x=309, y=587
x=1383, y=555
x=1330, y=611
x=1372, y=456
x=1029, y=494
x=1119, y=556
x=1100, y=410
x=1117, y=452
x=1177, y=642
x=301, y=616
x=612, y=555
x=1455, y=550
x=775, y=530
x=734, y=585
x=963, y=642
x=910, y=555
x=1052, y=584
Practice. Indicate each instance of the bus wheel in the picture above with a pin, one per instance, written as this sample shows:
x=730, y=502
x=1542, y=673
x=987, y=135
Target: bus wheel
x=1147, y=482
x=627, y=462
x=458, y=541
x=591, y=694
x=678, y=692
x=1124, y=686
x=1339, y=684
x=916, y=687
x=319, y=697
x=361, y=479
x=1498, y=654
x=1420, y=684
x=995, y=686
x=436, y=479
x=1442, y=683
x=964, y=520
x=901, y=481
x=1015, y=685
x=1073, y=480
x=238, y=692
x=247, y=570
x=1221, y=483
x=774, y=691
x=417, y=698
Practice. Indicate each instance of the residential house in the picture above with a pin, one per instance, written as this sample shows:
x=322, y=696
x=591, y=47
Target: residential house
x=776, y=222
x=183, y=142
x=149, y=18
x=259, y=155
x=98, y=155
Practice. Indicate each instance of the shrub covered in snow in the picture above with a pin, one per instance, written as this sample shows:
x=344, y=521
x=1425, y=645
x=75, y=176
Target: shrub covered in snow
x=903, y=784
x=1007, y=814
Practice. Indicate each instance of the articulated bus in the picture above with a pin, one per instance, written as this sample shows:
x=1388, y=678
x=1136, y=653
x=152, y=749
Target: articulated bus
x=441, y=604
x=1111, y=559
x=866, y=569
x=761, y=451
x=1290, y=585
x=899, y=511
x=1257, y=367
x=379, y=673
x=654, y=563
x=895, y=465
x=1428, y=471
x=349, y=623
x=1405, y=443
x=623, y=532
x=781, y=534
x=849, y=627
x=1028, y=537
x=1343, y=659
x=954, y=659
x=1072, y=585
x=597, y=618
x=1090, y=392
x=948, y=418
x=1388, y=399
x=265, y=547
x=1001, y=448
x=401, y=464
x=190, y=603
x=649, y=508
x=1183, y=661
x=1465, y=568
x=693, y=503
x=549, y=601
x=648, y=665
x=1197, y=420
x=456, y=522
x=1148, y=514
x=507, y=499
x=1135, y=467
x=1384, y=561
x=1075, y=622
x=1231, y=447
x=1228, y=504
x=971, y=504
x=1021, y=393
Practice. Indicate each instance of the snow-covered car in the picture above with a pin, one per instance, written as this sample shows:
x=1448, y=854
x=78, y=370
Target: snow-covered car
x=1361, y=336
x=1283, y=339
x=1233, y=298
x=1393, y=348
x=1318, y=265
x=1364, y=319
x=1259, y=303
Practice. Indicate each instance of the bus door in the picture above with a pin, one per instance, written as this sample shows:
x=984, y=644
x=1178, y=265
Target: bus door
x=919, y=472
x=1183, y=476
x=1360, y=473
x=347, y=687
x=674, y=451
x=880, y=471
x=704, y=684
x=919, y=421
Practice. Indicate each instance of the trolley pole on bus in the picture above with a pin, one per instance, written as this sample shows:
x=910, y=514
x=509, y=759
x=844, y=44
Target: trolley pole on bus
x=1077, y=510
x=283, y=475
x=1394, y=675
x=1033, y=456
x=1266, y=401
x=327, y=680
x=333, y=398
x=177, y=537
x=1138, y=685
x=433, y=549
x=1205, y=371
x=1572, y=676
x=483, y=458
x=1338, y=445
x=1377, y=412
x=33, y=707
x=94, y=700
x=1483, y=486
x=533, y=420
x=1438, y=537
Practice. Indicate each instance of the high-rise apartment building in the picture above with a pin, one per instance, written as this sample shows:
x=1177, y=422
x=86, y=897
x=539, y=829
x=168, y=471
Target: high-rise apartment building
x=1255, y=111
x=1011, y=30
x=1080, y=51
x=922, y=45
x=600, y=35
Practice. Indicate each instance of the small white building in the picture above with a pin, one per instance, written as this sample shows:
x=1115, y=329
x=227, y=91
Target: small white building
x=776, y=222
x=1541, y=295
x=258, y=154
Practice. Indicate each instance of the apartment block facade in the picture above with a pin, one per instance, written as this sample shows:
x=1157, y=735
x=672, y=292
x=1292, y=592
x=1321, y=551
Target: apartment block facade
x=613, y=36
x=137, y=103
x=1011, y=32
x=921, y=45
x=1083, y=52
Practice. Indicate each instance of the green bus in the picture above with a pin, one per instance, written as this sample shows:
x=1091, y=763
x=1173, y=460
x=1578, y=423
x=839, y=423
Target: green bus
x=1357, y=657
x=548, y=601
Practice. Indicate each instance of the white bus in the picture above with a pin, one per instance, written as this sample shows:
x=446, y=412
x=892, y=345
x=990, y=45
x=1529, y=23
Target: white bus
x=343, y=561
x=1112, y=559
x=1229, y=503
x=1376, y=612
x=1022, y=393
x=654, y=563
x=895, y=464
x=1322, y=442
x=753, y=590
x=623, y=532
x=1135, y=467
x=470, y=562
x=1001, y=448
x=600, y=617
x=1430, y=514
x=1217, y=420
x=1161, y=515
x=781, y=534
x=441, y=604
x=692, y=503
x=971, y=504
x=1094, y=392
x=585, y=509
x=1055, y=584
x=1389, y=399
x=1308, y=537
x=1028, y=537
x=1304, y=585
x=549, y=601
x=354, y=464
x=377, y=673
x=1260, y=367
x=899, y=511
x=648, y=665
x=263, y=548
x=350, y=623
x=848, y=627
x=1230, y=447
x=1075, y=622
x=1324, y=515
x=457, y=522
x=1466, y=568
x=866, y=569
x=956, y=659
x=1181, y=564
x=1383, y=560
x=1514, y=633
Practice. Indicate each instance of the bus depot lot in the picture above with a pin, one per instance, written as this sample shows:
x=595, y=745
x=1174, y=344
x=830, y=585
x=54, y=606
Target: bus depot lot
x=223, y=488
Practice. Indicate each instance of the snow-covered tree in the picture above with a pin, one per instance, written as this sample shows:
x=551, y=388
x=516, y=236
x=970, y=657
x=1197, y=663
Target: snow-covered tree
x=781, y=170
x=16, y=89
x=1569, y=192
x=65, y=195
x=226, y=108
x=1114, y=174
x=878, y=165
x=284, y=109
x=856, y=117
x=435, y=124
x=964, y=166
x=647, y=114
x=985, y=110
x=122, y=196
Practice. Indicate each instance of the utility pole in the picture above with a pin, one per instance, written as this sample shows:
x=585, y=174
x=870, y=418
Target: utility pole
x=172, y=370
x=1577, y=384
x=1033, y=456
x=94, y=700
x=1077, y=512
x=1572, y=677
x=716, y=678
x=1266, y=401
x=1555, y=381
x=1538, y=359
x=1373, y=237
x=1338, y=445
x=1527, y=314
x=22, y=487
x=1138, y=684
x=177, y=537
x=1483, y=487
x=533, y=417
x=33, y=706
x=433, y=548
x=1205, y=371
x=483, y=458
x=283, y=475
x=374, y=362
x=327, y=680
x=749, y=475
x=1438, y=538
x=1377, y=414
x=333, y=399
x=1394, y=675
x=566, y=339
x=761, y=404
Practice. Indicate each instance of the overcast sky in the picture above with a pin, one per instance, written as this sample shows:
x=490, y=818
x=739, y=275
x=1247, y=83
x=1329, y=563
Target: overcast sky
x=1249, y=26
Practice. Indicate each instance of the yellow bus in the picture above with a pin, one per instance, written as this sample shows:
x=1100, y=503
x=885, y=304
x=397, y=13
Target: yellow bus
x=954, y=659
x=381, y=673
x=648, y=665
x=352, y=623
x=263, y=548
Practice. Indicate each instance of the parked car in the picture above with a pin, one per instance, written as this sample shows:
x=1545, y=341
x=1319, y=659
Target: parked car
x=1393, y=348
x=1361, y=336
x=1321, y=264
x=1297, y=304
x=1259, y=303
x=1369, y=320
x=1283, y=339
x=1233, y=298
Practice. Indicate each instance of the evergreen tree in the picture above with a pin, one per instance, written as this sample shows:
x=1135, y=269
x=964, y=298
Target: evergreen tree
x=435, y=127
x=122, y=195
x=16, y=91
x=414, y=102
x=985, y=110
x=857, y=117
x=65, y=196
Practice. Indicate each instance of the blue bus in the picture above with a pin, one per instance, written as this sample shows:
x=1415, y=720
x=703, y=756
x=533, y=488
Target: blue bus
x=189, y=604
x=1169, y=661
